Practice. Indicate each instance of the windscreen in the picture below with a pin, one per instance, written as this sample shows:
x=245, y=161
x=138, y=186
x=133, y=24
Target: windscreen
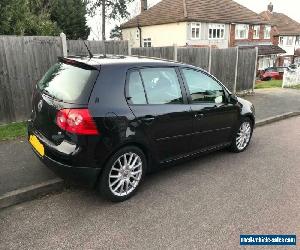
x=68, y=83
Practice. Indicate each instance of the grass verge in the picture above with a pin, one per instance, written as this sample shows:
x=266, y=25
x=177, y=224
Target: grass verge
x=13, y=130
x=296, y=87
x=268, y=84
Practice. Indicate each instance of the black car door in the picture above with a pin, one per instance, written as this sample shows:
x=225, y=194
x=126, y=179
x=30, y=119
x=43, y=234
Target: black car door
x=214, y=117
x=157, y=98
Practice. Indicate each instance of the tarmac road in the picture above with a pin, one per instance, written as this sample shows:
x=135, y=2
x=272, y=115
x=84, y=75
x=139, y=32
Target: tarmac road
x=203, y=204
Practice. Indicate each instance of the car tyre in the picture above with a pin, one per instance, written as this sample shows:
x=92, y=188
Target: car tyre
x=123, y=174
x=243, y=136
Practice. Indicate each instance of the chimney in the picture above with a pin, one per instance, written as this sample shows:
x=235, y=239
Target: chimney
x=144, y=5
x=270, y=7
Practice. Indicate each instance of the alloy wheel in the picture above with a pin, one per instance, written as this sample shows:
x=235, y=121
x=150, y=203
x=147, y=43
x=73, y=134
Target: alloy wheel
x=243, y=135
x=125, y=174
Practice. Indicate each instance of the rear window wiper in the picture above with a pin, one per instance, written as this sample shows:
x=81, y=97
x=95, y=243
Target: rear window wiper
x=46, y=92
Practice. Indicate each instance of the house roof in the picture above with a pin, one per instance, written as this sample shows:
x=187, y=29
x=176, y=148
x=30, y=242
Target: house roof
x=172, y=11
x=284, y=24
x=264, y=50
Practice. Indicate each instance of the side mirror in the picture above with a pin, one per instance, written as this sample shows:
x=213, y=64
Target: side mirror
x=232, y=98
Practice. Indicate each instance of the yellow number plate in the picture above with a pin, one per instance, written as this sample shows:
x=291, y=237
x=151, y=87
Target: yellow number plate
x=37, y=145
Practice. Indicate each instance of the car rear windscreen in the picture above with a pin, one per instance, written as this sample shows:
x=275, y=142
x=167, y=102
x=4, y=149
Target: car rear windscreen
x=69, y=83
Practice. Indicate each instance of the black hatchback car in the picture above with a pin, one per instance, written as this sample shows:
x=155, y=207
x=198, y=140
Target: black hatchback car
x=107, y=121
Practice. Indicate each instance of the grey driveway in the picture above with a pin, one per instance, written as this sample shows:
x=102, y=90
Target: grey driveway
x=203, y=204
x=19, y=167
x=275, y=101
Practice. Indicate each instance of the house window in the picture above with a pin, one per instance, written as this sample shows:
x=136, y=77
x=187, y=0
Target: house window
x=241, y=31
x=195, y=28
x=137, y=35
x=281, y=40
x=289, y=40
x=267, y=32
x=216, y=31
x=256, y=31
x=297, y=40
x=147, y=42
x=264, y=62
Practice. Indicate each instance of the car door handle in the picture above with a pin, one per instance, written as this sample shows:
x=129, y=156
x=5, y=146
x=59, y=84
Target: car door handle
x=148, y=119
x=199, y=115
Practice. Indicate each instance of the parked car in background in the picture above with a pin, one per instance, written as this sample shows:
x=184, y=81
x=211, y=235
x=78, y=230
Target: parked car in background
x=272, y=73
x=109, y=120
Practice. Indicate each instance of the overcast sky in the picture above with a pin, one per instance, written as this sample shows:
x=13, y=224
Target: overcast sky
x=288, y=7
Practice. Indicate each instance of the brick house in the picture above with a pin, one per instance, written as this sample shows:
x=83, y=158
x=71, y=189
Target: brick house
x=201, y=23
x=286, y=35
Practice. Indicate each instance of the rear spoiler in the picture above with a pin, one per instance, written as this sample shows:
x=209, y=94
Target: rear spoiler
x=76, y=63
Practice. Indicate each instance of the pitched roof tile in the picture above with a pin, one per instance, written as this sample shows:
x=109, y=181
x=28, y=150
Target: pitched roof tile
x=285, y=25
x=170, y=11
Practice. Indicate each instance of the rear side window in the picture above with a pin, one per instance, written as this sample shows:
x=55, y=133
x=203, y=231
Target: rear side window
x=136, y=90
x=162, y=86
x=154, y=86
x=68, y=83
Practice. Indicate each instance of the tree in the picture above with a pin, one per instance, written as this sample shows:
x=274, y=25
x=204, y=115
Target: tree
x=44, y=17
x=116, y=32
x=70, y=16
x=17, y=19
x=110, y=9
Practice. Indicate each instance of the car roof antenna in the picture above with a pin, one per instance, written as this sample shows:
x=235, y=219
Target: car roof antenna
x=90, y=53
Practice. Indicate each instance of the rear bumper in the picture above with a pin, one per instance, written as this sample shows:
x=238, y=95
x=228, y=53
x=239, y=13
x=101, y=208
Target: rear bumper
x=83, y=175
x=60, y=161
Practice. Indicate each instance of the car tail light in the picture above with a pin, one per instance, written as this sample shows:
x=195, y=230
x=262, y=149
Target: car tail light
x=76, y=121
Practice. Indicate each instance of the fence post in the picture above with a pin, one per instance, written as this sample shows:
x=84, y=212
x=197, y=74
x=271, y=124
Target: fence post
x=255, y=68
x=175, y=52
x=236, y=69
x=209, y=60
x=129, y=48
x=104, y=52
x=64, y=44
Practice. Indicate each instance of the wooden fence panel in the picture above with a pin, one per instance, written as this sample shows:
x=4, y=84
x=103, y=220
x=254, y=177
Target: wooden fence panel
x=245, y=69
x=223, y=66
x=198, y=57
x=233, y=67
x=158, y=52
x=23, y=61
x=77, y=47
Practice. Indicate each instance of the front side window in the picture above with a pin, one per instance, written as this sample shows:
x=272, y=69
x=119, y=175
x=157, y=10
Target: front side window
x=147, y=42
x=241, y=31
x=161, y=86
x=267, y=32
x=216, y=31
x=297, y=40
x=136, y=92
x=195, y=29
x=203, y=88
x=256, y=31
